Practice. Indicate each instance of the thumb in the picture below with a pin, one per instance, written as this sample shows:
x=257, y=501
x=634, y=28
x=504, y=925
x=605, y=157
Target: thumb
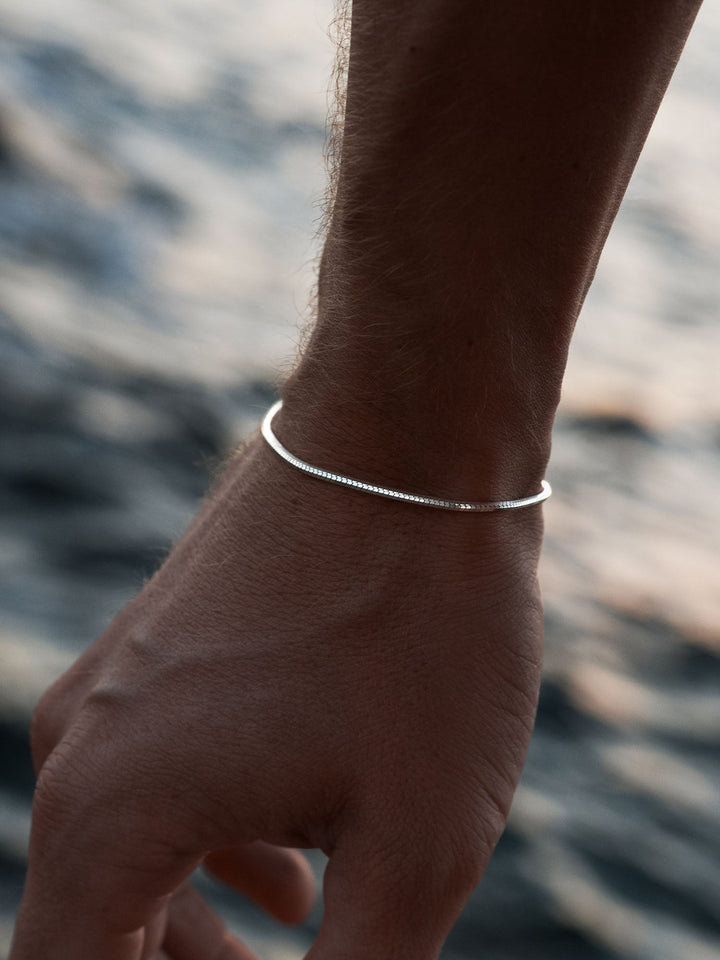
x=393, y=894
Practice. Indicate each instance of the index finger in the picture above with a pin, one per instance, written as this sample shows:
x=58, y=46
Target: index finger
x=98, y=872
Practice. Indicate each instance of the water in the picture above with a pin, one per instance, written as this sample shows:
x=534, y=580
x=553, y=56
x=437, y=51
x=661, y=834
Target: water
x=157, y=171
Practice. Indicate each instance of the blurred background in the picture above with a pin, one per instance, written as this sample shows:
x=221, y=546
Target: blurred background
x=159, y=165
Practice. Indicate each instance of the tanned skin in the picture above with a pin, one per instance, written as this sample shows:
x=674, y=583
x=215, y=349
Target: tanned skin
x=315, y=667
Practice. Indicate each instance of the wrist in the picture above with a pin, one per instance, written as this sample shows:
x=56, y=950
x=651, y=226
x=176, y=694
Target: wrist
x=490, y=443
x=450, y=546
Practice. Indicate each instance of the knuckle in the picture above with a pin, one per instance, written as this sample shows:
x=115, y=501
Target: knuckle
x=77, y=782
x=44, y=725
x=435, y=857
x=468, y=847
x=56, y=796
x=460, y=858
x=77, y=809
x=466, y=868
x=100, y=774
x=450, y=871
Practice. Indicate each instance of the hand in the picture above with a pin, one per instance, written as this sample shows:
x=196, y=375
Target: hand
x=311, y=667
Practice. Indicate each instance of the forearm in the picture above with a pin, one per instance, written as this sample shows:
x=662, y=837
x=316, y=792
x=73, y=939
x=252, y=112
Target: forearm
x=487, y=147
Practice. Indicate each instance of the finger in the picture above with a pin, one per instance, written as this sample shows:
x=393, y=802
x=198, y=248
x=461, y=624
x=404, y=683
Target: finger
x=196, y=932
x=102, y=865
x=391, y=894
x=154, y=934
x=277, y=879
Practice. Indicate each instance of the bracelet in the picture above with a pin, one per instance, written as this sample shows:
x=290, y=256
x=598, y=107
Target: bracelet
x=438, y=502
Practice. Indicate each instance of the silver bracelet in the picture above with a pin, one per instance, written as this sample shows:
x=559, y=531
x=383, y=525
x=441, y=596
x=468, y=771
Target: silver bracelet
x=438, y=502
